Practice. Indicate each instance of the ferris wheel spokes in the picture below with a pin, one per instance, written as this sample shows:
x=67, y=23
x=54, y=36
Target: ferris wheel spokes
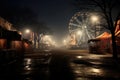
x=72, y=24
x=80, y=22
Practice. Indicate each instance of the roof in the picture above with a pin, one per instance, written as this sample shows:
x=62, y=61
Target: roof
x=104, y=35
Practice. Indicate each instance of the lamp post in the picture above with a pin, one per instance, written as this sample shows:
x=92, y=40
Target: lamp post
x=31, y=36
x=94, y=19
x=29, y=33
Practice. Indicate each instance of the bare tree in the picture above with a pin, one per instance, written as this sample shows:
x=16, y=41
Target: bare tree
x=111, y=11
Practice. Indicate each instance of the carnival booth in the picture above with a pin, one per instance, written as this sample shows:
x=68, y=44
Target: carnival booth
x=117, y=34
x=11, y=48
x=3, y=39
x=103, y=43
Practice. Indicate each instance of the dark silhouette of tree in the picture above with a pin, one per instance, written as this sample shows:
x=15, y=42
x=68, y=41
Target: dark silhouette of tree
x=111, y=12
x=43, y=28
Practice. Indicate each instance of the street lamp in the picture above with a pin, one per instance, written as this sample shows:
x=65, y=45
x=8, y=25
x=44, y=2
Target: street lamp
x=64, y=41
x=94, y=19
x=79, y=32
x=27, y=34
x=31, y=36
x=27, y=31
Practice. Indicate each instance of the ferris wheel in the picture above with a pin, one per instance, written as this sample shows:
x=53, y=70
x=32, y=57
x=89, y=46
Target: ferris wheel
x=80, y=25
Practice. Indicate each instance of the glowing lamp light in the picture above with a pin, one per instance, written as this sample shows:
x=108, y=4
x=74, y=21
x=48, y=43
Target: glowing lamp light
x=78, y=32
x=79, y=57
x=64, y=41
x=96, y=70
x=27, y=31
x=94, y=18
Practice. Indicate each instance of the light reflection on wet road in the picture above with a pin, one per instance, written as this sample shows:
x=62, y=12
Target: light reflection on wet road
x=95, y=67
x=34, y=69
x=62, y=66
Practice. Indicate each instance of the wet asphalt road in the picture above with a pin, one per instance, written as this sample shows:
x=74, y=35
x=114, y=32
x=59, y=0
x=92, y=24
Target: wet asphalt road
x=62, y=65
x=32, y=68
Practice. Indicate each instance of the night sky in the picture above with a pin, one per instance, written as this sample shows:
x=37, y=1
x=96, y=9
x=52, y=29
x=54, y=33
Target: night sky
x=55, y=13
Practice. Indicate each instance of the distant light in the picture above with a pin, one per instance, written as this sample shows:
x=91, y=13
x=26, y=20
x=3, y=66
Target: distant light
x=78, y=32
x=79, y=57
x=96, y=70
x=27, y=31
x=20, y=33
x=94, y=18
x=64, y=41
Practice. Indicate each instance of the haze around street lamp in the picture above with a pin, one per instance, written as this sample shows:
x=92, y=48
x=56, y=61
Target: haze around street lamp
x=27, y=31
x=79, y=32
x=94, y=18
